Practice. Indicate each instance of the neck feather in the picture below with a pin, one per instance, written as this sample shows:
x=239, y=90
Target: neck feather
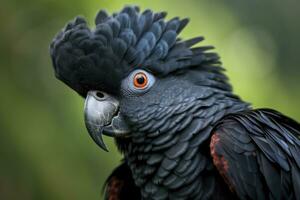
x=169, y=154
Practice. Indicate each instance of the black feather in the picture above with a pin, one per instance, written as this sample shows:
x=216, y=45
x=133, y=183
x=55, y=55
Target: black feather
x=120, y=43
x=274, y=139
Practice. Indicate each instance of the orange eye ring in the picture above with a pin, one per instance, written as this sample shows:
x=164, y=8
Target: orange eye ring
x=140, y=80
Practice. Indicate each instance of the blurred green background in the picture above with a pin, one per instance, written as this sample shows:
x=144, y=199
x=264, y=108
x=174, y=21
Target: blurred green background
x=45, y=150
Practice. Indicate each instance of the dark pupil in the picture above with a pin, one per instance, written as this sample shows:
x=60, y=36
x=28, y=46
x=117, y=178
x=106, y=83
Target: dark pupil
x=140, y=79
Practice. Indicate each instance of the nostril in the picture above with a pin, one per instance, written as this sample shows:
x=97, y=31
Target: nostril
x=100, y=95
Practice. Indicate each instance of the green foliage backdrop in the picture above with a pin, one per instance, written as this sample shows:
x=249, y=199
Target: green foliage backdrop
x=45, y=151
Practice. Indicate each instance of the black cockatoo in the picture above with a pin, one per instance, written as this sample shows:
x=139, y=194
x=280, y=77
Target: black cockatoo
x=184, y=134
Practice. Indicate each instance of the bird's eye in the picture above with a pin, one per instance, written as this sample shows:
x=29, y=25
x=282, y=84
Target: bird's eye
x=140, y=80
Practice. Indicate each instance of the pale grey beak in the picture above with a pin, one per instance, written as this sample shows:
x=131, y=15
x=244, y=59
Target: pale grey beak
x=101, y=114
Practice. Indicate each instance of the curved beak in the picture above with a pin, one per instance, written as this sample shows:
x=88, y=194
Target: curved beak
x=101, y=115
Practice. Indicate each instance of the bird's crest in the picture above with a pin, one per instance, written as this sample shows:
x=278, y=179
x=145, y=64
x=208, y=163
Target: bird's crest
x=88, y=59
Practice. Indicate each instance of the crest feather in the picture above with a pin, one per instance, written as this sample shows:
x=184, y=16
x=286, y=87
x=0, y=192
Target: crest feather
x=99, y=59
